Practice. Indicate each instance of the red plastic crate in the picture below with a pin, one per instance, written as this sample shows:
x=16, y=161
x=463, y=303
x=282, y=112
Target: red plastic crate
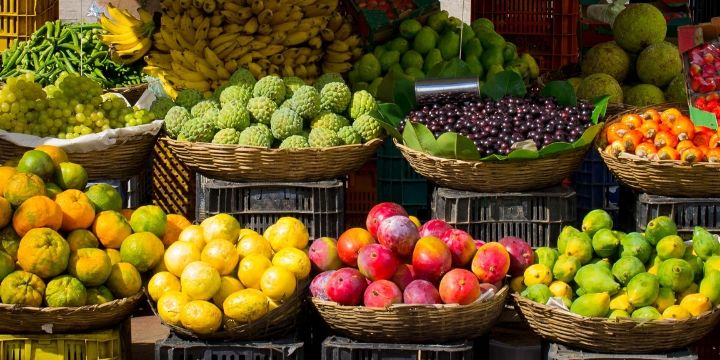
x=547, y=29
x=360, y=195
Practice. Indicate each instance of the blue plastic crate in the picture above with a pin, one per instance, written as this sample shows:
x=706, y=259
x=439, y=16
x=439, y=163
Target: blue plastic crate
x=398, y=182
x=595, y=187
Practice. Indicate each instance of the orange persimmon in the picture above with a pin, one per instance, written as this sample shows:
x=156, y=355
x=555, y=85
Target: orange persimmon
x=670, y=115
x=616, y=131
x=684, y=145
x=632, y=121
x=645, y=149
x=649, y=128
x=668, y=153
x=692, y=155
x=651, y=114
x=683, y=128
x=713, y=155
x=664, y=138
x=632, y=139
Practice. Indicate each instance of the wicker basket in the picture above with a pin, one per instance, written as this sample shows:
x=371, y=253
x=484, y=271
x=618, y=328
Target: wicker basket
x=666, y=177
x=131, y=93
x=613, y=336
x=248, y=163
x=275, y=324
x=413, y=323
x=495, y=176
x=31, y=320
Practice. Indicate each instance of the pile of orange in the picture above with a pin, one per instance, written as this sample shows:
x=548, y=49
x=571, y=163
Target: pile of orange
x=666, y=135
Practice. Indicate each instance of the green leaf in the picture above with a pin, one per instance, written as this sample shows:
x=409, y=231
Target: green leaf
x=523, y=154
x=494, y=157
x=404, y=95
x=703, y=118
x=419, y=137
x=505, y=83
x=588, y=136
x=555, y=148
x=562, y=91
x=601, y=105
x=389, y=117
x=453, y=146
x=386, y=90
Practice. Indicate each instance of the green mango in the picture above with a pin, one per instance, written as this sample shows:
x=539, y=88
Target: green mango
x=519, y=66
x=432, y=58
x=482, y=24
x=665, y=299
x=409, y=28
x=595, y=278
x=605, y=243
x=595, y=220
x=510, y=52
x=712, y=263
x=695, y=263
x=602, y=261
x=379, y=50
x=467, y=34
x=533, y=67
x=565, y=268
x=546, y=256
x=643, y=289
x=579, y=246
x=425, y=40
x=670, y=247
x=704, y=243
x=634, y=244
x=475, y=66
x=626, y=268
x=565, y=234
x=449, y=45
x=398, y=44
x=438, y=20
x=659, y=228
x=472, y=47
x=710, y=286
x=617, y=314
x=491, y=39
x=591, y=305
x=539, y=293
x=415, y=73
x=412, y=59
x=647, y=313
x=491, y=56
x=492, y=71
x=676, y=274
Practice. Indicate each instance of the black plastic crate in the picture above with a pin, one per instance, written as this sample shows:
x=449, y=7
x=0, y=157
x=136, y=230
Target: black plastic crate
x=686, y=212
x=704, y=10
x=135, y=192
x=338, y=348
x=319, y=205
x=399, y=183
x=537, y=217
x=174, y=348
x=596, y=187
x=561, y=352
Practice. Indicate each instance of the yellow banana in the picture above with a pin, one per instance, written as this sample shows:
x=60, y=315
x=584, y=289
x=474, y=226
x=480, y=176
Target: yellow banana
x=295, y=15
x=297, y=38
x=199, y=46
x=304, y=51
x=169, y=40
x=152, y=70
x=273, y=5
x=291, y=53
x=357, y=52
x=177, y=56
x=121, y=18
x=197, y=3
x=231, y=66
x=209, y=6
x=271, y=50
x=315, y=42
x=312, y=23
x=305, y=3
x=160, y=44
x=285, y=27
x=206, y=70
x=197, y=22
x=353, y=41
x=280, y=16
x=344, y=32
x=129, y=38
x=265, y=39
x=277, y=59
x=265, y=16
x=288, y=71
x=187, y=74
x=338, y=46
x=222, y=73
x=319, y=10
x=257, y=6
x=216, y=20
x=336, y=67
x=238, y=52
x=312, y=70
x=113, y=27
x=212, y=58
x=194, y=12
x=202, y=31
x=245, y=59
x=224, y=48
x=327, y=34
x=257, y=45
x=141, y=47
x=300, y=71
x=184, y=43
x=277, y=38
x=232, y=29
x=164, y=61
x=214, y=32
x=185, y=84
x=273, y=69
x=265, y=29
x=335, y=21
x=255, y=69
x=145, y=16
x=301, y=59
x=129, y=57
x=337, y=57
x=251, y=26
x=187, y=30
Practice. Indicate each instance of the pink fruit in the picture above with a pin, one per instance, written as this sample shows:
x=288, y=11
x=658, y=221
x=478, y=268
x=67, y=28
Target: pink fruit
x=434, y=227
x=323, y=254
x=377, y=262
x=421, y=292
x=491, y=262
x=381, y=212
x=459, y=286
x=403, y=276
x=521, y=254
x=431, y=259
x=350, y=242
x=346, y=287
x=318, y=286
x=399, y=234
x=382, y=293
x=461, y=245
x=479, y=243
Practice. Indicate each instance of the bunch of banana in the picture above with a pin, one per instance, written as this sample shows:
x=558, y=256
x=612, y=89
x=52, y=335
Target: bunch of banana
x=127, y=37
x=343, y=48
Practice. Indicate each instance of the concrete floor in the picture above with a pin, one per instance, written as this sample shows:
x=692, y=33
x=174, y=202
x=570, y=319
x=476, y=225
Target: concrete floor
x=146, y=330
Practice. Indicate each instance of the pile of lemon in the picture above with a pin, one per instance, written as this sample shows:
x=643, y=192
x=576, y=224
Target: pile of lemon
x=218, y=269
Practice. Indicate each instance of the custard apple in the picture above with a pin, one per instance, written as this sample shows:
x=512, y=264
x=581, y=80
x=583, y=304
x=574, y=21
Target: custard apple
x=285, y=123
x=256, y=135
x=292, y=83
x=368, y=127
x=349, y=136
x=320, y=137
x=335, y=97
x=327, y=78
x=306, y=102
x=188, y=98
x=261, y=109
x=197, y=130
x=294, y=142
x=235, y=93
x=211, y=116
x=175, y=118
x=233, y=116
x=161, y=106
x=272, y=87
x=362, y=103
x=244, y=77
x=226, y=136
x=202, y=107
x=329, y=120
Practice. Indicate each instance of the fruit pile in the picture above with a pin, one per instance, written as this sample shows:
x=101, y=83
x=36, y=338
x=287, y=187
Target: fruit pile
x=217, y=271
x=494, y=126
x=397, y=260
x=73, y=106
x=62, y=247
x=709, y=103
x=600, y=272
x=128, y=38
x=273, y=112
x=705, y=68
x=639, y=68
x=421, y=50
x=666, y=135
x=200, y=44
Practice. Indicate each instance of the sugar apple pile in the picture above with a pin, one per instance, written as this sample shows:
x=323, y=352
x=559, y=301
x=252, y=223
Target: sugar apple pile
x=275, y=112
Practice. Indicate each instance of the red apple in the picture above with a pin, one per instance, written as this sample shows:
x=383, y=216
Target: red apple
x=461, y=245
x=350, y=242
x=421, y=292
x=346, y=287
x=381, y=212
x=382, y=293
x=377, y=262
x=431, y=259
x=459, y=286
x=434, y=227
x=323, y=254
x=399, y=234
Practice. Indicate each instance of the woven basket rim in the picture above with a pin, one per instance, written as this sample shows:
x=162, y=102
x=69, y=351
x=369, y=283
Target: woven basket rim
x=15, y=308
x=250, y=148
x=501, y=292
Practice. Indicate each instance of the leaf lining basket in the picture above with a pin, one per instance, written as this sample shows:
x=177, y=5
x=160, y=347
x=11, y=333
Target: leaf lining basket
x=413, y=323
x=613, y=336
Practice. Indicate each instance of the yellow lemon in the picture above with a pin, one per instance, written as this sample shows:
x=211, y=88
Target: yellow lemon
x=295, y=260
x=251, y=269
x=278, y=283
x=200, y=281
x=537, y=274
x=161, y=283
x=169, y=306
x=221, y=227
x=193, y=234
x=254, y=244
x=228, y=285
x=287, y=232
x=675, y=312
x=246, y=305
x=201, y=317
x=221, y=255
x=179, y=255
x=696, y=304
x=561, y=289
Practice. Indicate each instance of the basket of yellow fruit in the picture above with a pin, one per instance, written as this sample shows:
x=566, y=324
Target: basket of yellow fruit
x=635, y=292
x=240, y=285
x=101, y=132
x=275, y=128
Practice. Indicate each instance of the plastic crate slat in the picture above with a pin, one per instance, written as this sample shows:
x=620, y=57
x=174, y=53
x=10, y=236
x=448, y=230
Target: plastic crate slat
x=173, y=348
x=337, y=348
x=686, y=212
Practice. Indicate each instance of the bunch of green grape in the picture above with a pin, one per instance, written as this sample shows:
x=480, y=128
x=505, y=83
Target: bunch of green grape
x=71, y=107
